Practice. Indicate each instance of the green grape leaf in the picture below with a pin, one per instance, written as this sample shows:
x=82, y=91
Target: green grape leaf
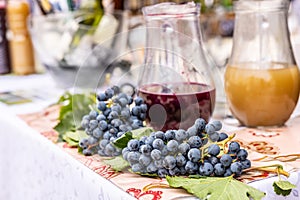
x=77, y=135
x=81, y=105
x=138, y=133
x=122, y=141
x=216, y=188
x=66, y=104
x=144, y=174
x=66, y=124
x=80, y=150
x=283, y=188
x=73, y=135
x=73, y=108
x=70, y=142
x=72, y=138
x=81, y=135
x=117, y=163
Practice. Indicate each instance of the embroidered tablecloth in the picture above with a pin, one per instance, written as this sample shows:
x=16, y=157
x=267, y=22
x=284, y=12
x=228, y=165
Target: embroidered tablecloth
x=265, y=146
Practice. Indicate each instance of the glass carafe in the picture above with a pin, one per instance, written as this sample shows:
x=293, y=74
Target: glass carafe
x=175, y=79
x=261, y=78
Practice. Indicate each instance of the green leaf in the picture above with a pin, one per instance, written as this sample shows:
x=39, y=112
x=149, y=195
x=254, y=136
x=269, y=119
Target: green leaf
x=70, y=142
x=138, y=133
x=196, y=176
x=117, y=163
x=81, y=104
x=73, y=137
x=73, y=108
x=216, y=188
x=144, y=174
x=81, y=134
x=283, y=188
x=66, y=104
x=76, y=135
x=122, y=141
x=66, y=124
x=80, y=150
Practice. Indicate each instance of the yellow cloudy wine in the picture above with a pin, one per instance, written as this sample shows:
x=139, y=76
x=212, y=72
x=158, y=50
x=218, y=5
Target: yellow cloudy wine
x=259, y=97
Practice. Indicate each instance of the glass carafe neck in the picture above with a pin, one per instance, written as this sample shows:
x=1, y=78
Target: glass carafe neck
x=261, y=33
x=174, y=42
x=169, y=24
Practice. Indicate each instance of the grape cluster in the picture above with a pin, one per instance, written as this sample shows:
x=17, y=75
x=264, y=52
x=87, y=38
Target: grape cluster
x=115, y=116
x=200, y=150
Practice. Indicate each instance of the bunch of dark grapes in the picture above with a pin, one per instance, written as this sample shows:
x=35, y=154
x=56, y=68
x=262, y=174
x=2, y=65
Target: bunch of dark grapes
x=201, y=150
x=115, y=116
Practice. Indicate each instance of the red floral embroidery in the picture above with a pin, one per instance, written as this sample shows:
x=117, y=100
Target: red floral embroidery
x=105, y=171
x=65, y=145
x=88, y=161
x=50, y=135
x=253, y=176
x=149, y=194
x=265, y=133
x=260, y=147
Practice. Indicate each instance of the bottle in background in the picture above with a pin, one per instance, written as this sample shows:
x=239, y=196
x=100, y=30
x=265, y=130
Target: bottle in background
x=4, y=51
x=21, y=51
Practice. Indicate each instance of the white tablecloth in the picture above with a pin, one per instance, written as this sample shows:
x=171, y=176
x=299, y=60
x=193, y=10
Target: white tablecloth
x=33, y=168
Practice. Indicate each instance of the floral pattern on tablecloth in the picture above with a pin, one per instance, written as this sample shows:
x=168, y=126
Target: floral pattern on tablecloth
x=269, y=146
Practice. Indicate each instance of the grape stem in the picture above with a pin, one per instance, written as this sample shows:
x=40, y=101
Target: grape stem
x=91, y=107
x=224, y=142
x=278, y=173
x=109, y=103
x=155, y=185
x=92, y=145
x=221, y=143
x=278, y=169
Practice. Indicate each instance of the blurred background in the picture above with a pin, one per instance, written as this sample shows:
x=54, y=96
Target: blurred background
x=101, y=39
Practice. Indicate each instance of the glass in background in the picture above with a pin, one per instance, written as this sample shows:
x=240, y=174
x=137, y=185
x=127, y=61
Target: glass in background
x=83, y=44
x=76, y=54
x=294, y=25
x=217, y=23
x=262, y=81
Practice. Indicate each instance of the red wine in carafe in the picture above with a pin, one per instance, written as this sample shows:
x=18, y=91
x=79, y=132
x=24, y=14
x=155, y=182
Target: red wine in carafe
x=177, y=105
